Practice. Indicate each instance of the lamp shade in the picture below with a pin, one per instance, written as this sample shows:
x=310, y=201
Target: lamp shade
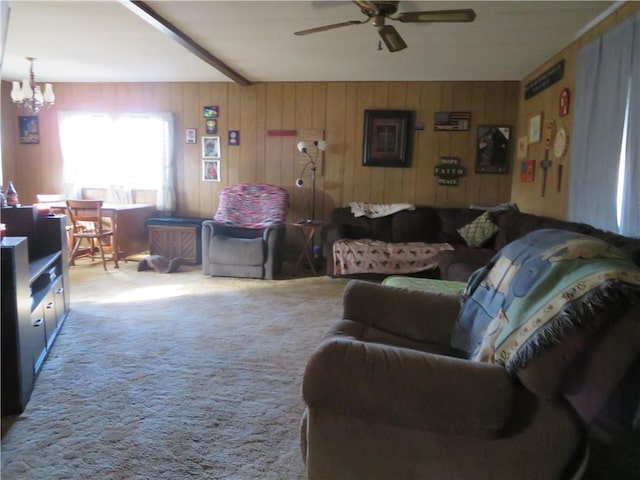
x=49, y=96
x=302, y=147
x=16, y=92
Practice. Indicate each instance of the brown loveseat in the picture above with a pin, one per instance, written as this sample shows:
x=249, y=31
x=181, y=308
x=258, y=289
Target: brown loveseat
x=437, y=225
x=387, y=397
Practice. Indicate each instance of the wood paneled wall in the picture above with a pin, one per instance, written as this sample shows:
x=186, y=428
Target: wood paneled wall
x=337, y=108
x=528, y=195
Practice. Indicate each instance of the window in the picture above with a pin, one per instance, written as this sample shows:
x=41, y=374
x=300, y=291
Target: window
x=604, y=182
x=118, y=151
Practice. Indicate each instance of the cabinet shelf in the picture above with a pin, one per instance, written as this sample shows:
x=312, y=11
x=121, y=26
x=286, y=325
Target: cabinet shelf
x=35, y=301
x=38, y=266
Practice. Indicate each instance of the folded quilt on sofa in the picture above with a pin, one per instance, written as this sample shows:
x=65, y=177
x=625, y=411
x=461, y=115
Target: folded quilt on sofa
x=373, y=256
x=537, y=289
x=377, y=210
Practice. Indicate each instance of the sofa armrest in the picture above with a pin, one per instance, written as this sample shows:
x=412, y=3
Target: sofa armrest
x=408, y=387
x=417, y=315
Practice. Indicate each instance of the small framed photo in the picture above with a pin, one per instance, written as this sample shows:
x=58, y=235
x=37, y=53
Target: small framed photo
x=29, y=128
x=190, y=135
x=212, y=126
x=522, y=147
x=234, y=137
x=210, y=147
x=211, y=170
x=210, y=112
x=535, y=125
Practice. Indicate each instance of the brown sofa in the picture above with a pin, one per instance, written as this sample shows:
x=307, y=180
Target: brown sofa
x=387, y=397
x=437, y=225
x=424, y=224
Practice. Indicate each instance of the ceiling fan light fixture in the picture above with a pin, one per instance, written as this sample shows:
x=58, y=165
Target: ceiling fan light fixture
x=391, y=38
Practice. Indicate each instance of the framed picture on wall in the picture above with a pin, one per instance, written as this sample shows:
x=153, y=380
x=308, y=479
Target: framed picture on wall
x=211, y=170
x=387, y=138
x=493, y=148
x=29, y=128
x=535, y=126
x=210, y=147
x=190, y=135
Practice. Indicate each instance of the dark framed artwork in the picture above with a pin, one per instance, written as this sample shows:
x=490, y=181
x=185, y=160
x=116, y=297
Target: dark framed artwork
x=387, y=138
x=211, y=111
x=493, y=149
x=211, y=126
x=29, y=128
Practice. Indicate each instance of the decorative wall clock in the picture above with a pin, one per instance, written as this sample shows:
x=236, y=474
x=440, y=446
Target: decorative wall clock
x=561, y=143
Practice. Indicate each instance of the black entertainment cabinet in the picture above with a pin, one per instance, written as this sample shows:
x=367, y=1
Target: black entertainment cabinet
x=35, y=298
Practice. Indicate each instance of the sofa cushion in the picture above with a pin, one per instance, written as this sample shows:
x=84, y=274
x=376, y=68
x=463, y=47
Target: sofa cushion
x=479, y=231
x=362, y=227
x=451, y=219
x=420, y=225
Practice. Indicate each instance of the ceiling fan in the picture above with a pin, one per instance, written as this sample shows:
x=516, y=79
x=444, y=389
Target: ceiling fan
x=377, y=12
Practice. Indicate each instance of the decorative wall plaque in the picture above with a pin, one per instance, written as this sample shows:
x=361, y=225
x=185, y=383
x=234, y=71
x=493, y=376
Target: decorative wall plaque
x=452, y=121
x=448, y=171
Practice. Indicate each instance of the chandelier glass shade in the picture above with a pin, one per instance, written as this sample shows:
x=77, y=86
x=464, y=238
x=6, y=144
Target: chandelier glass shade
x=29, y=95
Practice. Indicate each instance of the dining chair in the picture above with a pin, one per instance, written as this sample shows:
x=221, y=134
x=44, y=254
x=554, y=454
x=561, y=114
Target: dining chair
x=45, y=198
x=86, y=220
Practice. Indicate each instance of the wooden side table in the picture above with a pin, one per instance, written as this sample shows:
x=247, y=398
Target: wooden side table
x=307, y=229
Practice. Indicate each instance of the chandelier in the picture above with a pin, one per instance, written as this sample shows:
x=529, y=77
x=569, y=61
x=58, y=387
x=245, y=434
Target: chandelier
x=29, y=95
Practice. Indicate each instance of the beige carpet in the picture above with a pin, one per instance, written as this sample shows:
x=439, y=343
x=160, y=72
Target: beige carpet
x=173, y=376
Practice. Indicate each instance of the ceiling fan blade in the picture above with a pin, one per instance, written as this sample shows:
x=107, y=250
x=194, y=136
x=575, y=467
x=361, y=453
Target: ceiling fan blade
x=330, y=27
x=391, y=38
x=461, y=15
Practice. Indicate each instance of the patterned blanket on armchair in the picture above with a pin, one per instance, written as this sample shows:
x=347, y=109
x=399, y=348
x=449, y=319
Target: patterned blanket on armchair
x=538, y=288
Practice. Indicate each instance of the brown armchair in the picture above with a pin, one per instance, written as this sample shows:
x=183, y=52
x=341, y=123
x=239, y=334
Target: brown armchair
x=246, y=237
x=387, y=396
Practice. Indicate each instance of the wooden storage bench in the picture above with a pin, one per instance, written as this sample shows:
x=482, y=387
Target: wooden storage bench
x=176, y=237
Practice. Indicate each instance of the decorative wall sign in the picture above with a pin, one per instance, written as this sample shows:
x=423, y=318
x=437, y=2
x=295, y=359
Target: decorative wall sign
x=527, y=171
x=211, y=126
x=211, y=170
x=190, y=135
x=493, y=145
x=535, y=126
x=210, y=147
x=564, y=102
x=211, y=111
x=282, y=133
x=544, y=80
x=234, y=137
x=29, y=128
x=522, y=147
x=387, y=138
x=448, y=171
x=452, y=121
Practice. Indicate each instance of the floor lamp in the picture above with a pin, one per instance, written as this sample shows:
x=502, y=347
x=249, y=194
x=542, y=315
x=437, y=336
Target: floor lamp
x=312, y=166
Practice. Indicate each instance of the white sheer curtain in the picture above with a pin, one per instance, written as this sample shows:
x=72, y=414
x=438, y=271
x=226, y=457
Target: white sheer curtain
x=630, y=211
x=606, y=96
x=119, y=152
